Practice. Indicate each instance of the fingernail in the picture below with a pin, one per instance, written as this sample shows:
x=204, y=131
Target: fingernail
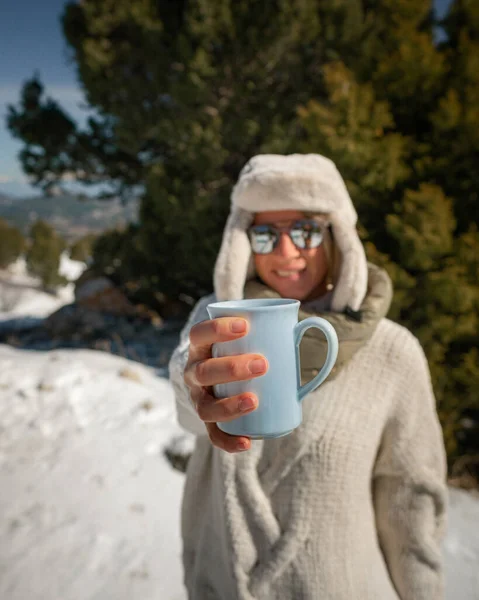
x=242, y=446
x=258, y=365
x=246, y=403
x=238, y=326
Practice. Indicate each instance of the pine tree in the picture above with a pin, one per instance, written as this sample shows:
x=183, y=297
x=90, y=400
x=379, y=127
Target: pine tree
x=43, y=255
x=455, y=139
x=12, y=244
x=187, y=92
x=403, y=131
x=82, y=249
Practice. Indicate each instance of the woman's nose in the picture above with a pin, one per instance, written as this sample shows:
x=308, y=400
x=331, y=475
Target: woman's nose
x=286, y=247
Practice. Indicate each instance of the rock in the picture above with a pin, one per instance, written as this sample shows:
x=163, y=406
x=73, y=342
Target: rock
x=130, y=374
x=100, y=294
x=75, y=321
x=109, y=300
x=91, y=286
x=105, y=319
x=125, y=330
x=178, y=451
x=45, y=387
x=147, y=405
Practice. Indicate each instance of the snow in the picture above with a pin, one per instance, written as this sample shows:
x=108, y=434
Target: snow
x=461, y=547
x=89, y=506
x=71, y=269
x=20, y=296
x=19, y=300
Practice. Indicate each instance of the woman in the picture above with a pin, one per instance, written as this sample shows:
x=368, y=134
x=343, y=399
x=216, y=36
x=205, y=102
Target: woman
x=351, y=505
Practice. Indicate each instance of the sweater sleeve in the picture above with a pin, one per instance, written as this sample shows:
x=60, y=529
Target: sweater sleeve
x=187, y=416
x=409, y=483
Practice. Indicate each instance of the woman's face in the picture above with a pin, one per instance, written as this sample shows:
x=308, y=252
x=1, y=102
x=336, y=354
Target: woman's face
x=293, y=273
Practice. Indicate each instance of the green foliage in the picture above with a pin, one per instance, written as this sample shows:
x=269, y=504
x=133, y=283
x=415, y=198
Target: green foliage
x=82, y=249
x=186, y=92
x=454, y=139
x=12, y=244
x=423, y=228
x=119, y=254
x=403, y=132
x=43, y=255
x=184, y=96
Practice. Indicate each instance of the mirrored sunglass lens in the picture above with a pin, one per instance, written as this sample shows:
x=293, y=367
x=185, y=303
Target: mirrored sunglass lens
x=299, y=237
x=316, y=237
x=262, y=241
x=308, y=235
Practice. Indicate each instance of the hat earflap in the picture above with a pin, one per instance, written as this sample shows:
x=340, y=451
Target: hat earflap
x=351, y=286
x=233, y=265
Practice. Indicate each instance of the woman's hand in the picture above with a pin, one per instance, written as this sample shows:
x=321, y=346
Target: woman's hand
x=203, y=371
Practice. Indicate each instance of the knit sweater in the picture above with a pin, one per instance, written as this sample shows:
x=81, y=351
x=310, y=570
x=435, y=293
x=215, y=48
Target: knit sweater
x=350, y=506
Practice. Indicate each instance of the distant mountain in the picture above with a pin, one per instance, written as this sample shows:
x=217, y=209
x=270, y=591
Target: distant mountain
x=5, y=200
x=70, y=216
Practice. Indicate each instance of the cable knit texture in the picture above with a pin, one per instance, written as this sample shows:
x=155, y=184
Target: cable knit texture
x=351, y=505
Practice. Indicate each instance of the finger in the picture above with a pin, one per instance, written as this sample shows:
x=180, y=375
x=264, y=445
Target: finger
x=226, y=442
x=212, y=410
x=213, y=371
x=224, y=329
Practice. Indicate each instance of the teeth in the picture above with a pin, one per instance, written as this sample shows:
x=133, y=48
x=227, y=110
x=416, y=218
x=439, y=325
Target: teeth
x=287, y=273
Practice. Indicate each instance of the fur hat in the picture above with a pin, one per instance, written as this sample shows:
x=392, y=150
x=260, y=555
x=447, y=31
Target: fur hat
x=305, y=182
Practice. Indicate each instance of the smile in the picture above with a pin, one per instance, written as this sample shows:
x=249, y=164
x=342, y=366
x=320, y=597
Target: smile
x=292, y=275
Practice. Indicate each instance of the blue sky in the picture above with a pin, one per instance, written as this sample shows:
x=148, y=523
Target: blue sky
x=31, y=40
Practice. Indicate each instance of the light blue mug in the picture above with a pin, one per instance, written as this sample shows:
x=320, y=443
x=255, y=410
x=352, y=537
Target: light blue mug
x=274, y=331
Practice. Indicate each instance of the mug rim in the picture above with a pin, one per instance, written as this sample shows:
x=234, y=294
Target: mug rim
x=256, y=303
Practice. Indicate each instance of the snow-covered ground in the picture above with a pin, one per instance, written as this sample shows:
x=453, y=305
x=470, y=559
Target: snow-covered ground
x=461, y=547
x=89, y=505
x=20, y=295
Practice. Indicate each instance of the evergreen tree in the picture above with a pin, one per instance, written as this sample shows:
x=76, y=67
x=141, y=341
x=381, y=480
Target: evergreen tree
x=12, y=244
x=82, y=249
x=186, y=92
x=454, y=142
x=43, y=255
x=405, y=137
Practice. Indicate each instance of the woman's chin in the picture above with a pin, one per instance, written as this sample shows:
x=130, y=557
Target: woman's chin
x=290, y=289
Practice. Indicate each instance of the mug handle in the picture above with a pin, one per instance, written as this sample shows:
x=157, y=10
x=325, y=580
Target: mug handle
x=332, y=339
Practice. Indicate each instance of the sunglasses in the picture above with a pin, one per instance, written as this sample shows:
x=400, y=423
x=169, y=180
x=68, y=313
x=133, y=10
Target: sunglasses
x=305, y=234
